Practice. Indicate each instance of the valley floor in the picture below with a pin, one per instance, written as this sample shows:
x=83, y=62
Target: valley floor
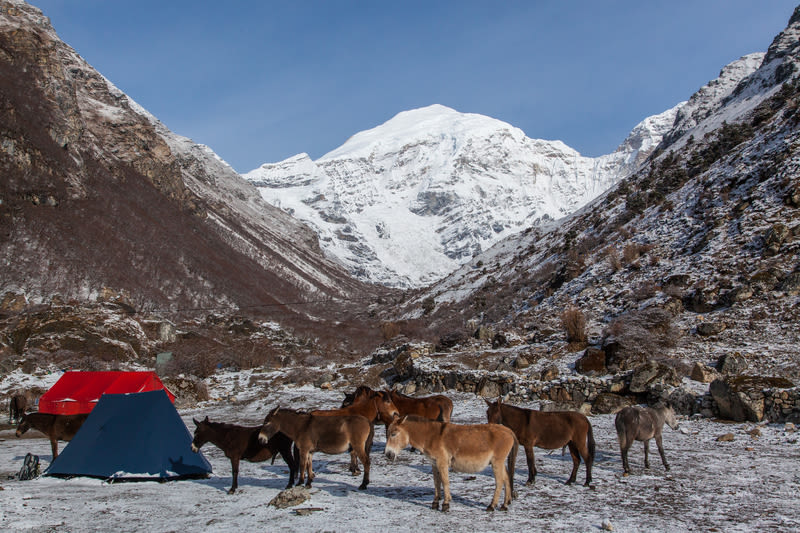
x=749, y=484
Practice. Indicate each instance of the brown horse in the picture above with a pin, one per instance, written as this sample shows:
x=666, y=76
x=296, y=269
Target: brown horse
x=241, y=442
x=377, y=407
x=16, y=407
x=56, y=427
x=326, y=434
x=438, y=407
x=643, y=424
x=548, y=430
x=464, y=448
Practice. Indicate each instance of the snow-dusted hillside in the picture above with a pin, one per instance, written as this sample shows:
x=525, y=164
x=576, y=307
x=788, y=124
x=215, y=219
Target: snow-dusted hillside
x=409, y=201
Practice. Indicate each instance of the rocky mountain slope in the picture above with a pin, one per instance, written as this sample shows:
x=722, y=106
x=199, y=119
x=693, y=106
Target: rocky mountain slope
x=100, y=202
x=409, y=201
x=692, y=258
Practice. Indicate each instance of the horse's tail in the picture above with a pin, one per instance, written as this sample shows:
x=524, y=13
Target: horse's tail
x=590, y=441
x=368, y=444
x=512, y=464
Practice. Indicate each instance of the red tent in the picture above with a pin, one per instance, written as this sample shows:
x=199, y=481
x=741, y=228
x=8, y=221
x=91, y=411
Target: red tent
x=79, y=392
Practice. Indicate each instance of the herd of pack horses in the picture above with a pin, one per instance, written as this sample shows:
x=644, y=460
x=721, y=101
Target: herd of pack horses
x=423, y=423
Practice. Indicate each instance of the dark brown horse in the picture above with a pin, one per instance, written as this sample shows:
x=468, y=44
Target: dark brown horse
x=241, y=442
x=643, y=424
x=463, y=448
x=438, y=407
x=16, y=407
x=326, y=434
x=56, y=427
x=548, y=430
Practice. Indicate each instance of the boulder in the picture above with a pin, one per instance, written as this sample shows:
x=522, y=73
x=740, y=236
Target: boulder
x=683, y=401
x=583, y=408
x=609, y=403
x=741, y=398
x=549, y=374
x=521, y=362
x=774, y=238
x=791, y=284
x=731, y=363
x=652, y=373
x=290, y=497
x=706, y=329
x=592, y=362
x=484, y=333
x=703, y=373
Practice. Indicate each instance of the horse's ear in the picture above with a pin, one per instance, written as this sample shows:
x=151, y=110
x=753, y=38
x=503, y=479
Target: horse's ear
x=499, y=400
x=206, y=420
x=196, y=423
x=487, y=402
x=402, y=419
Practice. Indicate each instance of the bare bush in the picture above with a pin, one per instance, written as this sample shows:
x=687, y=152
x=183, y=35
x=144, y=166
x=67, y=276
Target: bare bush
x=389, y=330
x=630, y=253
x=645, y=290
x=574, y=322
x=612, y=256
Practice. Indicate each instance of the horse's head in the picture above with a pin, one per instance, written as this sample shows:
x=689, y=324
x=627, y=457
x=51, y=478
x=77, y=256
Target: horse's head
x=386, y=408
x=669, y=417
x=272, y=424
x=349, y=398
x=363, y=393
x=397, y=437
x=24, y=425
x=202, y=434
x=494, y=413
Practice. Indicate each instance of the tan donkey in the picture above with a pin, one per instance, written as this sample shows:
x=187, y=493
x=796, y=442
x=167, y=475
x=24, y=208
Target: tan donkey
x=464, y=448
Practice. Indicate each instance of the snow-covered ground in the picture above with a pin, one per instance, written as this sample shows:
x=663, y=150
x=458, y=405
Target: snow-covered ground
x=749, y=484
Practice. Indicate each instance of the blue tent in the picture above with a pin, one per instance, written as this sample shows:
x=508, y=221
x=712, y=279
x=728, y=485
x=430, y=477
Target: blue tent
x=132, y=437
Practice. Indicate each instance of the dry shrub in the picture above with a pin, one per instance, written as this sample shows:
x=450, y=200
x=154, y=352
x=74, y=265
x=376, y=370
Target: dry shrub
x=389, y=330
x=574, y=322
x=630, y=253
x=612, y=256
x=645, y=290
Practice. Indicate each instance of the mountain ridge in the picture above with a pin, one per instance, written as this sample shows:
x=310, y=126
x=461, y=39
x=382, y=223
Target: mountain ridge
x=449, y=184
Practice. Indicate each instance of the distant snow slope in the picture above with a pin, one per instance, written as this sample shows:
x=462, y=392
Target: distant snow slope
x=409, y=201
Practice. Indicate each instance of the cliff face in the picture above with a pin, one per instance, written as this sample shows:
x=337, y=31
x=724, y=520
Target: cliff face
x=98, y=198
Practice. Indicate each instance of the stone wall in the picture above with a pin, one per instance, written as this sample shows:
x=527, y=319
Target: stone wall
x=608, y=394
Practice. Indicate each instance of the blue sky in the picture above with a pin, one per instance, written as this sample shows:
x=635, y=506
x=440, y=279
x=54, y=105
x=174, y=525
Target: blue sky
x=259, y=81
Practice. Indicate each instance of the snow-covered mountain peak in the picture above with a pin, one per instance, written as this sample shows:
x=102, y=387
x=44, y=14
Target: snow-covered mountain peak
x=433, y=123
x=407, y=202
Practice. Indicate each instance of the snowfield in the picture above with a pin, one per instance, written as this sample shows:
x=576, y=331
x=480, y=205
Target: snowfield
x=751, y=483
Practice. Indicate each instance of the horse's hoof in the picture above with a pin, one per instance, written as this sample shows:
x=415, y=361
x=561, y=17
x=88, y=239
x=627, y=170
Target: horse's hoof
x=570, y=482
x=231, y=491
x=435, y=506
x=363, y=486
x=504, y=507
x=626, y=474
x=489, y=508
x=666, y=468
x=530, y=482
x=308, y=485
x=445, y=507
